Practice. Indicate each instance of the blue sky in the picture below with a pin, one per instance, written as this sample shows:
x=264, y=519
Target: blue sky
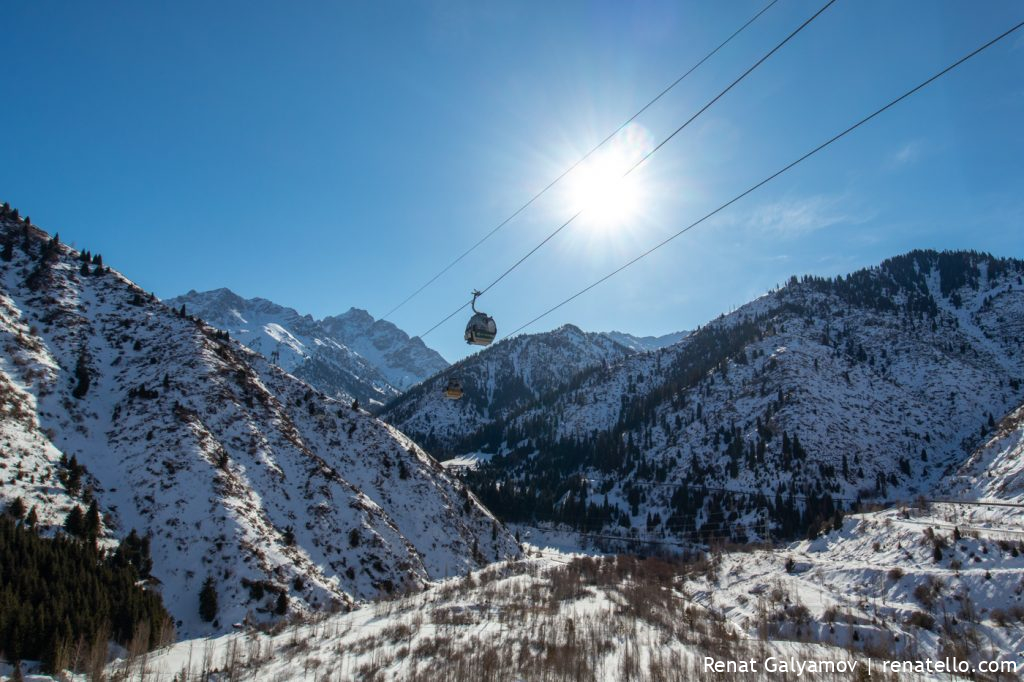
x=328, y=155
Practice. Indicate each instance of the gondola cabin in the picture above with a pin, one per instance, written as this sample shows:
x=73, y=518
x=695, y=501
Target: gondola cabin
x=481, y=329
x=453, y=391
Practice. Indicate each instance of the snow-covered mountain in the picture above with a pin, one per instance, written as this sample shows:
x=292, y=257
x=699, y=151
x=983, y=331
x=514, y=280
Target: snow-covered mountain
x=875, y=385
x=402, y=360
x=234, y=469
x=498, y=381
x=346, y=356
x=646, y=343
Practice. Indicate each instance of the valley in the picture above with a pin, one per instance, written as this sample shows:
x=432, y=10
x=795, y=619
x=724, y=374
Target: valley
x=831, y=472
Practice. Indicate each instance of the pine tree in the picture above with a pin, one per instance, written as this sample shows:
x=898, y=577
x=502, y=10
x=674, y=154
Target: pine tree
x=208, y=600
x=74, y=523
x=74, y=476
x=91, y=524
x=16, y=509
x=282, y=604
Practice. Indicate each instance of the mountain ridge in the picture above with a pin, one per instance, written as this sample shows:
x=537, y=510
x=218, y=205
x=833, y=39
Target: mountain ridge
x=235, y=470
x=499, y=379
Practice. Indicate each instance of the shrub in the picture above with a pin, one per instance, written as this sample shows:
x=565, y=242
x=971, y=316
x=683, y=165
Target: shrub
x=920, y=619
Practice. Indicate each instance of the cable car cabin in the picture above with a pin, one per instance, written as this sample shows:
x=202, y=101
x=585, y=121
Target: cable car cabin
x=453, y=391
x=481, y=330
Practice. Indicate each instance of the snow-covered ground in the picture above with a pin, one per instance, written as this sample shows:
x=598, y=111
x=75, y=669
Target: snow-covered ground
x=869, y=593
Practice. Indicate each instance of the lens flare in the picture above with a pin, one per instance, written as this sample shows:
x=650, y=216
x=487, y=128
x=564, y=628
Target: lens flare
x=600, y=186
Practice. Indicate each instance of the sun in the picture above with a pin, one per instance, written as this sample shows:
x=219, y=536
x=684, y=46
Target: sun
x=603, y=186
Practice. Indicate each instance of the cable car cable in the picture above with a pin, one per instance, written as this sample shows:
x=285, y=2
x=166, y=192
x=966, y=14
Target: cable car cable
x=586, y=156
x=771, y=177
x=644, y=158
x=665, y=141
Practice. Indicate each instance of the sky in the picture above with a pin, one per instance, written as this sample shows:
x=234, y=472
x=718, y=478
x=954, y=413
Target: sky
x=326, y=155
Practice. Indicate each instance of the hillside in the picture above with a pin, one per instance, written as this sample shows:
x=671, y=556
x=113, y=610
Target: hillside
x=824, y=392
x=499, y=381
x=995, y=471
x=346, y=356
x=869, y=594
x=288, y=499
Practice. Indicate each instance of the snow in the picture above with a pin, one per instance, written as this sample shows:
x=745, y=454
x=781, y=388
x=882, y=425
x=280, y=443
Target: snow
x=632, y=619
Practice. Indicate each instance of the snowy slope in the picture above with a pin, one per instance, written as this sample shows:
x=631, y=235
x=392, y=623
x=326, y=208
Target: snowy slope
x=550, y=618
x=996, y=470
x=869, y=593
x=878, y=584
x=499, y=380
x=235, y=469
x=646, y=343
x=348, y=356
x=876, y=385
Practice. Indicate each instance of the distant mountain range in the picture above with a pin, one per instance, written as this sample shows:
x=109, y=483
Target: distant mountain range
x=646, y=343
x=346, y=356
x=355, y=356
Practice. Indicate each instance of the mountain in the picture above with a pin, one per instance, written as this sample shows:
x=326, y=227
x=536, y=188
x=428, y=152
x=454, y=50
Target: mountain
x=646, y=343
x=403, y=361
x=231, y=469
x=347, y=356
x=767, y=421
x=498, y=381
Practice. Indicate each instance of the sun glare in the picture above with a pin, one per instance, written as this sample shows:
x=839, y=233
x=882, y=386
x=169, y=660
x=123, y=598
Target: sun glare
x=600, y=186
